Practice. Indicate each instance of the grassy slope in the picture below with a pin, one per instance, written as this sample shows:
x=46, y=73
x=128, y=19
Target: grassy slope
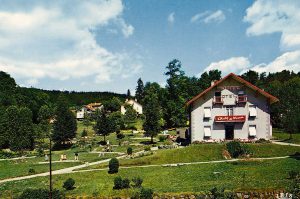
x=285, y=137
x=20, y=167
x=204, y=152
x=270, y=174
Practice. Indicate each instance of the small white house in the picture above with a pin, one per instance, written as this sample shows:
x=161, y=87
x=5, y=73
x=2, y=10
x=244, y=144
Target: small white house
x=136, y=106
x=88, y=109
x=230, y=108
x=80, y=113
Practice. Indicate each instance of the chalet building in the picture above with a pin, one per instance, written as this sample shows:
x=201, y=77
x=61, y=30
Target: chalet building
x=230, y=108
x=135, y=105
x=88, y=109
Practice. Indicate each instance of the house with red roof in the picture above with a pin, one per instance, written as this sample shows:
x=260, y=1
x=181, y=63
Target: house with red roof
x=230, y=108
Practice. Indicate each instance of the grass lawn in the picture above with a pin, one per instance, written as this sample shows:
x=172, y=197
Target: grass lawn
x=81, y=127
x=15, y=168
x=285, y=137
x=203, y=152
x=268, y=174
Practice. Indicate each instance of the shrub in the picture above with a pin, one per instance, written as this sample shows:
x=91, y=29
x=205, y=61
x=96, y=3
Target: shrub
x=102, y=142
x=293, y=174
x=162, y=138
x=120, y=135
x=5, y=154
x=126, y=183
x=262, y=140
x=40, y=152
x=40, y=194
x=129, y=151
x=113, y=166
x=137, y=182
x=69, y=184
x=84, y=133
x=118, y=182
x=235, y=149
x=147, y=148
x=146, y=193
x=31, y=171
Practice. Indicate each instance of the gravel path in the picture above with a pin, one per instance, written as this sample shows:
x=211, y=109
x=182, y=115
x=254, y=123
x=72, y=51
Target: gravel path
x=285, y=143
x=57, y=172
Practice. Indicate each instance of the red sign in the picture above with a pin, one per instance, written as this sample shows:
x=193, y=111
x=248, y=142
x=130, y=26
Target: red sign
x=231, y=118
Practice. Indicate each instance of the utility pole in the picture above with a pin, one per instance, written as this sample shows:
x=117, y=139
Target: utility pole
x=50, y=168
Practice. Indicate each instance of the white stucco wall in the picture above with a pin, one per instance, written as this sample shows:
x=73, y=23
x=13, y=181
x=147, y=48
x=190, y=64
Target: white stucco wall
x=241, y=130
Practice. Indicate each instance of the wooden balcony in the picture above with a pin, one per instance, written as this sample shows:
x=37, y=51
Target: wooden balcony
x=242, y=99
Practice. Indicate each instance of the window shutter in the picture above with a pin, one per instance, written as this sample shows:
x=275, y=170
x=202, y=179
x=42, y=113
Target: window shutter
x=252, y=130
x=207, y=112
x=252, y=111
x=207, y=131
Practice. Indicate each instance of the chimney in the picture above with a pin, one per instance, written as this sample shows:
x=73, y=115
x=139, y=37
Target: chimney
x=212, y=82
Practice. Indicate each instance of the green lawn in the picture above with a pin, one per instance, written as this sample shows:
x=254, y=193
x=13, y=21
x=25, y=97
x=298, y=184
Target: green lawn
x=269, y=174
x=204, y=152
x=15, y=168
x=285, y=137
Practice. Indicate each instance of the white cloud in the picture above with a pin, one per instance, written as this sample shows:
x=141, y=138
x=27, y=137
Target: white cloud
x=287, y=61
x=127, y=29
x=171, y=18
x=239, y=65
x=281, y=16
x=53, y=40
x=231, y=65
x=209, y=17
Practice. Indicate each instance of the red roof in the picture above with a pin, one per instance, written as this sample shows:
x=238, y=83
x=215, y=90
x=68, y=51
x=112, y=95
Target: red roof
x=239, y=79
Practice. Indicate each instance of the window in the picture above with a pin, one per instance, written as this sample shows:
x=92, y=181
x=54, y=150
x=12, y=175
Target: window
x=240, y=93
x=207, y=112
x=229, y=111
x=252, y=111
x=252, y=130
x=207, y=131
x=218, y=93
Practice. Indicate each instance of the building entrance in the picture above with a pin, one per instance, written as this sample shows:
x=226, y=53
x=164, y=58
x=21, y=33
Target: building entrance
x=229, y=132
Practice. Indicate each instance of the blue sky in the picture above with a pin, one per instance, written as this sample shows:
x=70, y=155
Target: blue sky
x=101, y=45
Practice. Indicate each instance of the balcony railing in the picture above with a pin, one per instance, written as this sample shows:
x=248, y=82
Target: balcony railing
x=242, y=99
x=218, y=100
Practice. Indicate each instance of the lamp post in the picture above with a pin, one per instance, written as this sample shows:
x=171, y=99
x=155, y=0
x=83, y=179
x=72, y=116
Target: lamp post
x=50, y=166
x=50, y=170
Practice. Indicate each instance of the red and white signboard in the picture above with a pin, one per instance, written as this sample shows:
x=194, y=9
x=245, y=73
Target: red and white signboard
x=231, y=118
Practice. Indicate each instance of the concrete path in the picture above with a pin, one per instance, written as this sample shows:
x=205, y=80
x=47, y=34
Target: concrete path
x=71, y=169
x=18, y=158
x=60, y=171
x=284, y=143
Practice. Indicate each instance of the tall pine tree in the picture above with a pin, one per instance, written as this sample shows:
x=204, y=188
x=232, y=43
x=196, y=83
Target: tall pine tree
x=153, y=113
x=19, y=127
x=139, y=91
x=65, y=124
